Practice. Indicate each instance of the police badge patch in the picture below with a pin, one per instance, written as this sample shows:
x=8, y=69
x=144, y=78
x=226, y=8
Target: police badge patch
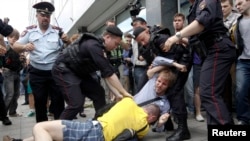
x=24, y=33
x=202, y=5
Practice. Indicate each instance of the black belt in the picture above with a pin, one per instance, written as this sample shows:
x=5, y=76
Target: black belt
x=140, y=66
x=211, y=40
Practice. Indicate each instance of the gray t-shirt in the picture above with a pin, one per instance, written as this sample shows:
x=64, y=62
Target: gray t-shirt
x=245, y=34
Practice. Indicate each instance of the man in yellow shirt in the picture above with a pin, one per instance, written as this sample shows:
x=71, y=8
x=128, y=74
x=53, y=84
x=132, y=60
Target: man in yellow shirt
x=125, y=114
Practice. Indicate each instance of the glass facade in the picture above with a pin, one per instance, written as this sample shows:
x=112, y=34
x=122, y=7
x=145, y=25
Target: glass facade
x=184, y=6
x=123, y=20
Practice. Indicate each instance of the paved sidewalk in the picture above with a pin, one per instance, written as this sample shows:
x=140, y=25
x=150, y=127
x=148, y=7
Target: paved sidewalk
x=22, y=126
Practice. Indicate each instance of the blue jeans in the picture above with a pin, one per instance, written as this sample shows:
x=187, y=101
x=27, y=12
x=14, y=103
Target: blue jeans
x=189, y=92
x=138, y=73
x=242, y=90
x=11, y=86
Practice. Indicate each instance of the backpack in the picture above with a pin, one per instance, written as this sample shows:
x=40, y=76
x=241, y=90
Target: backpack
x=12, y=60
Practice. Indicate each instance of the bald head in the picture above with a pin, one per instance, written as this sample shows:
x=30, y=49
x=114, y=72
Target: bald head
x=153, y=112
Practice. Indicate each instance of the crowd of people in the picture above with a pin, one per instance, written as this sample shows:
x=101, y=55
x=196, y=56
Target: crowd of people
x=203, y=65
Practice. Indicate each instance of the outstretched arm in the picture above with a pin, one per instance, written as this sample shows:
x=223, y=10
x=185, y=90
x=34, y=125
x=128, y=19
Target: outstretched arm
x=115, y=83
x=193, y=28
x=113, y=90
x=153, y=70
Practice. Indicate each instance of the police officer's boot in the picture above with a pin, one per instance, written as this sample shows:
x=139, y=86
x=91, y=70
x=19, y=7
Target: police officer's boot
x=182, y=132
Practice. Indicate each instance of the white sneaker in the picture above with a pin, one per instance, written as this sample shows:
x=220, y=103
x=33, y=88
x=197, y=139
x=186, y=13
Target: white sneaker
x=199, y=118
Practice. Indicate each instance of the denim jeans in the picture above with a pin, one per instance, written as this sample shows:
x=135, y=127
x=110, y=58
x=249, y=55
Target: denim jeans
x=11, y=87
x=189, y=92
x=242, y=90
x=138, y=71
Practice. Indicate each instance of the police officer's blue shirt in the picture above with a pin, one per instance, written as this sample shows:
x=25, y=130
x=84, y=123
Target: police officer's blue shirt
x=47, y=47
x=148, y=92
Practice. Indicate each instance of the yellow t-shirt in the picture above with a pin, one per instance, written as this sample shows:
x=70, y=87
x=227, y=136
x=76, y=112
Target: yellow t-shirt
x=125, y=114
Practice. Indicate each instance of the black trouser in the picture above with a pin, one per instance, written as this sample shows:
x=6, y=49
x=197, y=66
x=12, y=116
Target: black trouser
x=43, y=86
x=26, y=95
x=131, y=81
x=214, y=73
x=75, y=89
x=176, y=95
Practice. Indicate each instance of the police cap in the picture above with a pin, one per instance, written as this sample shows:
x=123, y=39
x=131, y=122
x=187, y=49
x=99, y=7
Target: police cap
x=114, y=30
x=137, y=31
x=140, y=19
x=45, y=8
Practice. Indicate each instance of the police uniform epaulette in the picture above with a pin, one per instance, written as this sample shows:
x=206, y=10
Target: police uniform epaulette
x=31, y=27
x=28, y=28
x=56, y=27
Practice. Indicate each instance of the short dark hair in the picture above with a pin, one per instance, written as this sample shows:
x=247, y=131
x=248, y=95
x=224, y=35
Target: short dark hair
x=230, y=2
x=138, y=19
x=180, y=15
x=110, y=21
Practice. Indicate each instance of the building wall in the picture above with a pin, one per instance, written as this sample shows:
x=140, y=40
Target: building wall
x=91, y=15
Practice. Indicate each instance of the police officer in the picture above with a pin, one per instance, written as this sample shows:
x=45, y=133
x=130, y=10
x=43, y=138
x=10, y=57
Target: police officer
x=74, y=66
x=206, y=22
x=44, y=44
x=153, y=43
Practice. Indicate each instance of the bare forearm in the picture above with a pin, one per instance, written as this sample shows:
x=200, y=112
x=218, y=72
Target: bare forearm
x=115, y=82
x=18, y=47
x=193, y=28
x=157, y=69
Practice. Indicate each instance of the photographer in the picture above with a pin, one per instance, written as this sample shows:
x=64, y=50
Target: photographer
x=128, y=80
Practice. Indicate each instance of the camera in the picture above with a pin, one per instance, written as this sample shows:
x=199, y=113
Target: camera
x=135, y=7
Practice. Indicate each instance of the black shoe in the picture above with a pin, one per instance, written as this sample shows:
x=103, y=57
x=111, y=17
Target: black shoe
x=6, y=121
x=25, y=103
x=179, y=135
x=182, y=132
x=82, y=115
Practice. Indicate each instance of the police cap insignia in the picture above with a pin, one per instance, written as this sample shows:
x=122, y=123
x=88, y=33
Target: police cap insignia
x=202, y=5
x=114, y=30
x=45, y=8
x=138, y=31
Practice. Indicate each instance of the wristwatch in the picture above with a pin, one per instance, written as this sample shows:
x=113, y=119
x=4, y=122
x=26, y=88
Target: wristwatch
x=178, y=35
